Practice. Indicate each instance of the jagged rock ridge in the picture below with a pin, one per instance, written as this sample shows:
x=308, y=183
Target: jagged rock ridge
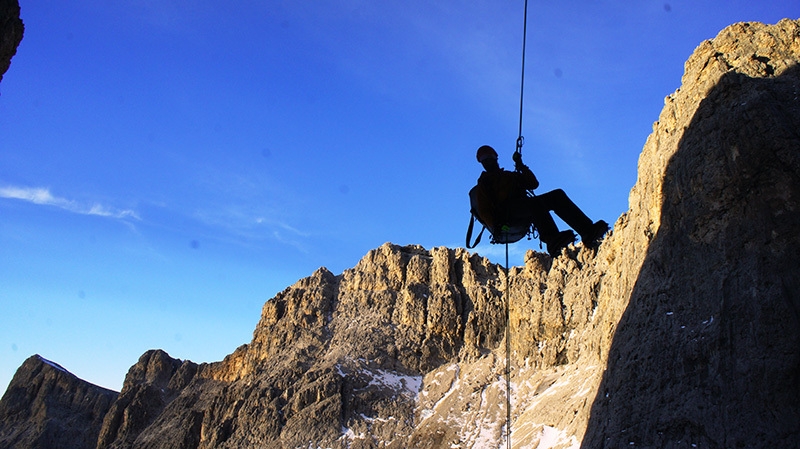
x=680, y=331
x=46, y=406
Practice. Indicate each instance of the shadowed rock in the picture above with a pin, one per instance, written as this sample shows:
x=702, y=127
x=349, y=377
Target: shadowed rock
x=47, y=407
x=11, y=31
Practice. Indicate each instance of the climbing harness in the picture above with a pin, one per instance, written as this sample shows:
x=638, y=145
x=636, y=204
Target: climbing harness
x=506, y=233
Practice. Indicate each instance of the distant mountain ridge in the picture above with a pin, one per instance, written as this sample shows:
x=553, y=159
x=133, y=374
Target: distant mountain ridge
x=681, y=330
x=47, y=406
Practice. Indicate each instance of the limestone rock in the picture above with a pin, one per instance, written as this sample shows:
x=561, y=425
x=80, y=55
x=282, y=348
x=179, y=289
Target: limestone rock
x=706, y=352
x=151, y=384
x=47, y=407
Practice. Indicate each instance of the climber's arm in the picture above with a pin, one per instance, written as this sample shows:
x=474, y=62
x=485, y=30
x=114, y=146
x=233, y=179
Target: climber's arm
x=529, y=181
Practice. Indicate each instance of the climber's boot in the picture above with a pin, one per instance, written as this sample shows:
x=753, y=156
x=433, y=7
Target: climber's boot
x=592, y=237
x=558, y=242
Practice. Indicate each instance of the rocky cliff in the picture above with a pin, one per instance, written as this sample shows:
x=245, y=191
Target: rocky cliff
x=707, y=351
x=46, y=406
x=681, y=330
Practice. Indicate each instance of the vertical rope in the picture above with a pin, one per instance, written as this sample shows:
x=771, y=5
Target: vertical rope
x=520, y=139
x=508, y=358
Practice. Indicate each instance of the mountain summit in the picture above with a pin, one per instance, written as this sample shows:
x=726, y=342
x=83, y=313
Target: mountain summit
x=681, y=330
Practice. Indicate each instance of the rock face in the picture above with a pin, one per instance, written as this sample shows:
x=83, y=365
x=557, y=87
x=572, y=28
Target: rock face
x=681, y=330
x=151, y=384
x=11, y=30
x=329, y=353
x=47, y=407
x=708, y=349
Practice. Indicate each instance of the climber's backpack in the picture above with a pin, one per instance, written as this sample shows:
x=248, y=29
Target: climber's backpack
x=482, y=209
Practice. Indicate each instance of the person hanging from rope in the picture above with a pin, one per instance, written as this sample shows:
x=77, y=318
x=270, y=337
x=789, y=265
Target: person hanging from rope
x=503, y=202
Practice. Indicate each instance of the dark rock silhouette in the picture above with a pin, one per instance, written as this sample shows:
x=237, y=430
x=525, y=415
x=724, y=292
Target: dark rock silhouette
x=11, y=31
x=151, y=384
x=47, y=407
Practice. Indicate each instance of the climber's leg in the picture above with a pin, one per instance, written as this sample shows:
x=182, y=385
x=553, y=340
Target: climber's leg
x=562, y=205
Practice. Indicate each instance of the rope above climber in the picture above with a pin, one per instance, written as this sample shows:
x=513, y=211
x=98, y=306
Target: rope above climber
x=504, y=203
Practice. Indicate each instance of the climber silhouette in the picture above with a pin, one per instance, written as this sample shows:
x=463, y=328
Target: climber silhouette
x=504, y=202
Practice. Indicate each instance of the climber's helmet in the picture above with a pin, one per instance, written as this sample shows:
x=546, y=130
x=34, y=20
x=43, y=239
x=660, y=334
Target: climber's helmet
x=486, y=152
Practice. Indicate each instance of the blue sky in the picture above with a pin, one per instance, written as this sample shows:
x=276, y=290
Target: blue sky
x=168, y=166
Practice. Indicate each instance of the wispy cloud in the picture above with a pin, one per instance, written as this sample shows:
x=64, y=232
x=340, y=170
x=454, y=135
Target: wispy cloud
x=248, y=225
x=42, y=196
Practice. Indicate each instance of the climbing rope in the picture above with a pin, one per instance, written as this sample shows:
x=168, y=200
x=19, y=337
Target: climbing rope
x=520, y=139
x=508, y=358
x=520, y=142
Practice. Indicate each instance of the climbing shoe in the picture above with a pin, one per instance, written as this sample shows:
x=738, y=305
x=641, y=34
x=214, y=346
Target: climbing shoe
x=559, y=242
x=595, y=233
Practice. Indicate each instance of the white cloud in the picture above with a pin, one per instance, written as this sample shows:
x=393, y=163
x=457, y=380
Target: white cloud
x=42, y=196
x=34, y=195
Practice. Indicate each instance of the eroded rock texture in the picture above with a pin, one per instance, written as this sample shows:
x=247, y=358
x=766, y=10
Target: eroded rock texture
x=47, y=407
x=708, y=350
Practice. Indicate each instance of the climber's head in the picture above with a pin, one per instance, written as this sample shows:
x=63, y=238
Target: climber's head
x=487, y=157
x=485, y=152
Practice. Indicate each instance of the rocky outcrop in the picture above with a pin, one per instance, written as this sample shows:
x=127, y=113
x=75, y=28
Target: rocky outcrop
x=47, y=407
x=681, y=330
x=706, y=353
x=151, y=384
x=11, y=31
x=331, y=353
